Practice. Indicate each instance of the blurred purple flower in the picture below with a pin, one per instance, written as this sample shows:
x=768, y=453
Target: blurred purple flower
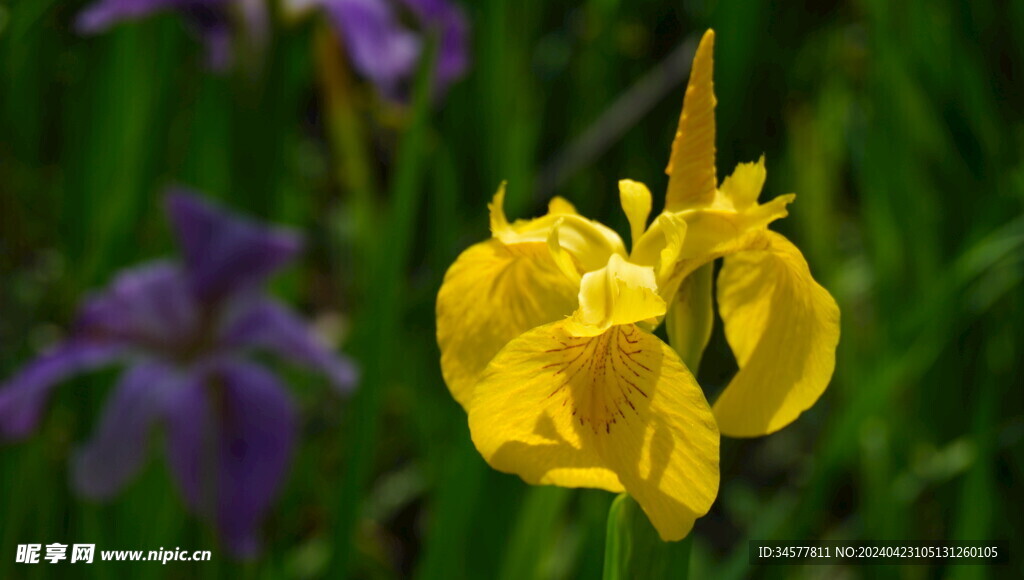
x=387, y=53
x=184, y=332
x=210, y=19
x=380, y=46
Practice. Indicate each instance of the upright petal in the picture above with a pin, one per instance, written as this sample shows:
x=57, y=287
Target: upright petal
x=490, y=295
x=268, y=324
x=589, y=242
x=783, y=328
x=229, y=442
x=691, y=168
x=619, y=293
x=380, y=47
x=149, y=307
x=24, y=395
x=118, y=448
x=733, y=222
x=636, y=203
x=223, y=252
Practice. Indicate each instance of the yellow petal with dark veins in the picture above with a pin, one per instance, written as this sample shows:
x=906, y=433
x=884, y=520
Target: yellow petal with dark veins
x=613, y=411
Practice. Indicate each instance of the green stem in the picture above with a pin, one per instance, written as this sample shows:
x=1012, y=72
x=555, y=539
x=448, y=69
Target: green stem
x=690, y=317
x=382, y=315
x=633, y=548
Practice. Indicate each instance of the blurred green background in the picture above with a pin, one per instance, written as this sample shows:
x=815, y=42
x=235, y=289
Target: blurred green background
x=899, y=126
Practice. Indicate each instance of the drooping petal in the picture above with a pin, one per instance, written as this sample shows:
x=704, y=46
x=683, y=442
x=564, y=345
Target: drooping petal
x=229, y=442
x=24, y=395
x=521, y=423
x=149, y=307
x=666, y=453
x=379, y=46
x=614, y=411
x=783, y=328
x=118, y=449
x=225, y=253
x=268, y=324
x=490, y=295
x=691, y=168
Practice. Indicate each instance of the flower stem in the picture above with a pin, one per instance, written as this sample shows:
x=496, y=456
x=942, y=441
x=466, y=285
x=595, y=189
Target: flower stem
x=634, y=550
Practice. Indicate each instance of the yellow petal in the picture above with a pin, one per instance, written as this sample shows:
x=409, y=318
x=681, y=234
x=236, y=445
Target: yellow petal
x=742, y=188
x=619, y=293
x=665, y=452
x=561, y=256
x=559, y=205
x=613, y=411
x=783, y=328
x=490, y=295
x=521, y=420
x=734, y=222
x=661, y=247
x=636, y=202
x=734, y=213
x=589, y=242
x=691, y=167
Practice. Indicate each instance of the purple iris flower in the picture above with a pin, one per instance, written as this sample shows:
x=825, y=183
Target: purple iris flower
x=184, y=333
x=381, y=47
x=387, y=53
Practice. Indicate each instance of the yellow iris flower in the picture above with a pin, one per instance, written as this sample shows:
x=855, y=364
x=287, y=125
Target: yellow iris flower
x=546, y=331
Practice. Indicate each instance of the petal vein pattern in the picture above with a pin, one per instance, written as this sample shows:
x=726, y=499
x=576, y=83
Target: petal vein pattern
x=613, y=411
x=490, y=295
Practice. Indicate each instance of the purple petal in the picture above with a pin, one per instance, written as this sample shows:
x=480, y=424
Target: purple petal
x=118, y=448
x=229, y=443
x=149, y=306
x=450, y=24
x=103, y=14
x=224, y=253
x=23, y=397
x=271, y=325
x=380, y=48
x=210, y=21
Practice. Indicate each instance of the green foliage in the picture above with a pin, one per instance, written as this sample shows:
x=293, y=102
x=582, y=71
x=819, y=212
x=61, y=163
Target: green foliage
x=898, y=125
